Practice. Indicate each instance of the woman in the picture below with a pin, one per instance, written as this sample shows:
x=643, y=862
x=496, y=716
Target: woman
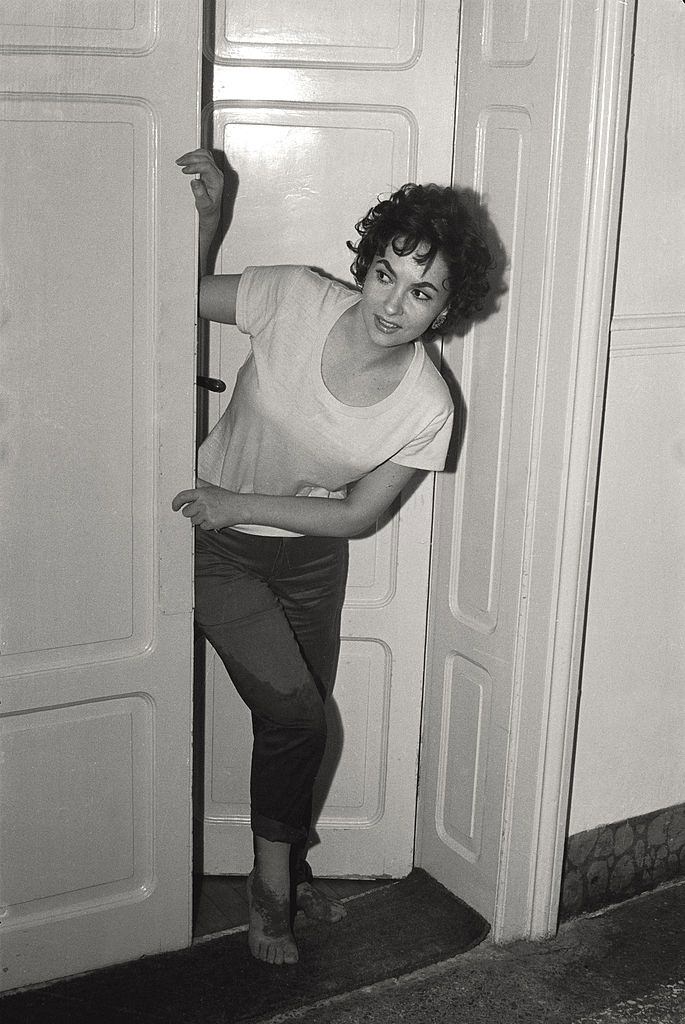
x=334, y=411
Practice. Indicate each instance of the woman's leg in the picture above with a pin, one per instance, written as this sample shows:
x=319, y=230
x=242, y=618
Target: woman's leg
x=239, y=613
x=311, y=586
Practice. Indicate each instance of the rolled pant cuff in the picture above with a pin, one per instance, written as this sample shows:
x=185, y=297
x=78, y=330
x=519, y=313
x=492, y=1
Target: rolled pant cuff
x=276, y=831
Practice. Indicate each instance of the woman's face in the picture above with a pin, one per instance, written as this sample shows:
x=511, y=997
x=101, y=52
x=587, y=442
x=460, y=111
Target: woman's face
x=402, y=297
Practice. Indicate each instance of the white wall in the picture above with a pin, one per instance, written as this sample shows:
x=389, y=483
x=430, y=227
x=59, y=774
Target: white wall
x=630, y=756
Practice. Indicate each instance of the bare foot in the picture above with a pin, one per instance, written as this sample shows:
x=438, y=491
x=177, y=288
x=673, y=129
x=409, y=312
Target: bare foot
x=318, y=907
x=269, y=936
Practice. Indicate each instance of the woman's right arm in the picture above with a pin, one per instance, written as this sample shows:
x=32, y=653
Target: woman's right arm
x=218, y=296
x=218, y=293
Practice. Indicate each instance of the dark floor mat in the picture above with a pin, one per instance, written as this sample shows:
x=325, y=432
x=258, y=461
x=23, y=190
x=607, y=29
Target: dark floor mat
x=387, y=933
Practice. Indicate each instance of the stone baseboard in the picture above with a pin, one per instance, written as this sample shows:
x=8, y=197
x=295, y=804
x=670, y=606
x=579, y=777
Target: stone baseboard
x=611, y=863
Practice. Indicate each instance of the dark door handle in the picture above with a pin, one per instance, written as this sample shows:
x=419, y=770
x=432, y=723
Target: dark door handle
x=211, y=383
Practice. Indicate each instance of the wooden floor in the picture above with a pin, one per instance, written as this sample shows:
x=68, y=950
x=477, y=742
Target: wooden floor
x=220, y=902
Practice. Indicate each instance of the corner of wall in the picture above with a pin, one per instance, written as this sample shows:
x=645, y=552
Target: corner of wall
x=611, y=863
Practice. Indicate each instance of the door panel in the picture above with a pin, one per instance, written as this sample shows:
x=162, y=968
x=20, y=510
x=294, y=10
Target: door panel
x=97, y=390
x=70, y=380
x=325, y=33
x=319, y=113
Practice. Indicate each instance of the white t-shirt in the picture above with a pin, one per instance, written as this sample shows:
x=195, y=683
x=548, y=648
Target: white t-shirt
x=283, y=432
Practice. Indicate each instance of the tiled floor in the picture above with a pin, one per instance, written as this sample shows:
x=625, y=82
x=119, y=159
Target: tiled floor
x=221, y=903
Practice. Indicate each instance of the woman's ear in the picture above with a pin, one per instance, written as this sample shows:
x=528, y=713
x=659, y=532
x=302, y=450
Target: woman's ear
x=440, y=319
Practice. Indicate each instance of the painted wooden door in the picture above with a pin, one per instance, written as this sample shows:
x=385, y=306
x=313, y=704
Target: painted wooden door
x=320, y=107
x=97, y=384
x=540, y=118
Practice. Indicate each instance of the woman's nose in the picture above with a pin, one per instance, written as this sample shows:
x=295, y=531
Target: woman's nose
x=393, y=302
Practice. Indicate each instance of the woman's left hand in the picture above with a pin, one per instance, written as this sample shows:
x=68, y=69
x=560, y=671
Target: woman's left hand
x=208, y=188
x=207, y=506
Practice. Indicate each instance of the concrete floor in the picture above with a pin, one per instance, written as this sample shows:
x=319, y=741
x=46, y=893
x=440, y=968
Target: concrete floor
x=621, y=966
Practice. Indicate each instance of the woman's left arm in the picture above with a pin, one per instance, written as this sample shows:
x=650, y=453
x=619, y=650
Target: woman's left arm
x=213, y=508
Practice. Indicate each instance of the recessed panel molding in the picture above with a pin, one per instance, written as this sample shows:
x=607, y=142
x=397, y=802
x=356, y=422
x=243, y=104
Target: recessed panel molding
x=386, y=34
x=510, y=32
x=463, y=755
x=77, y=576
x=352, y=779
x=104, y=27
x=78, y=785
x=502, y=168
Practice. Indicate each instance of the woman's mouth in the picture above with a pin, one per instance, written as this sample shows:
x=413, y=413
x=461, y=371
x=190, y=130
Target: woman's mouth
x=386, y=326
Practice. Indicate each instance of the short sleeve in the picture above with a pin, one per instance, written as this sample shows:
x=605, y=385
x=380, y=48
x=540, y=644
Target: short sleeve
x=428, y=450
x=260, y=293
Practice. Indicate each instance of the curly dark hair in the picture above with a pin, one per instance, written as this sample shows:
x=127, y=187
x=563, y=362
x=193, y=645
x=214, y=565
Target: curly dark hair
x=438, y=217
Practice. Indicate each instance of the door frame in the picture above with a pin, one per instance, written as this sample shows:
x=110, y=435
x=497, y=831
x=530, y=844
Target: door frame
x=546, y=683
x=537, y=787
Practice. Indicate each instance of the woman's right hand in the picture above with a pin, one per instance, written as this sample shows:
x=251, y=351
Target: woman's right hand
x=208, y=189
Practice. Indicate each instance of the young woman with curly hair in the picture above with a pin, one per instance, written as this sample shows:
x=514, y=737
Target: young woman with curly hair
x=335, y=409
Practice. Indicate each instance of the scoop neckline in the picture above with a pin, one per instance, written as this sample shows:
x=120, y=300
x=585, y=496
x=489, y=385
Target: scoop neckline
x=359, y=411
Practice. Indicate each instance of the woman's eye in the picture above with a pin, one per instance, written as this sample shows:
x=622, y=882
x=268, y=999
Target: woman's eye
x=422, y=296
x=381, y=275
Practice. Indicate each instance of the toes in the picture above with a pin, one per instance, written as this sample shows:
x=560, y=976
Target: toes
x=274, y=953
x=290, y=954
x=315, y=905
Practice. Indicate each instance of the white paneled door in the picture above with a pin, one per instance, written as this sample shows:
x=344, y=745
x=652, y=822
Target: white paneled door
x=540, y=119
x=321, y=107
x=97, y=382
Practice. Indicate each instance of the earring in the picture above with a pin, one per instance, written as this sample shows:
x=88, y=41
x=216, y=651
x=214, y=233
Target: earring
x=439, y=321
